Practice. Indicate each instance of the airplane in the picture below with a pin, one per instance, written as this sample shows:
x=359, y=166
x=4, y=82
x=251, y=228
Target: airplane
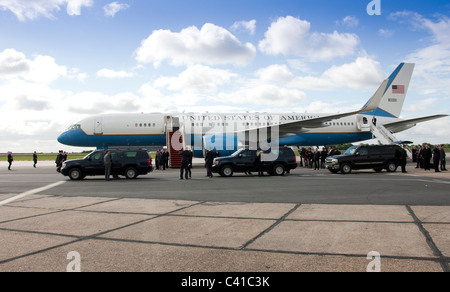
x=227, y=132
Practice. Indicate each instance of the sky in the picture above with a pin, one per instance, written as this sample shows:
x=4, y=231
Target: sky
x=64, y=60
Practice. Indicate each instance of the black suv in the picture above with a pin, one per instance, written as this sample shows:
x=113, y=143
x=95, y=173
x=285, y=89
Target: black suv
x=366, y=157
x=129, y=163
x=275, y=162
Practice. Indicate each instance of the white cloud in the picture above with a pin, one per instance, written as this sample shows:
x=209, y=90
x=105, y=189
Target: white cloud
x=113, y=8
x=362, y=73
x=30, y=10
x=349, y=21
x=14, y=64
x=292, y=36
x=249, y=26
x=197, y=78
x=211, y=45
x=111, y=74
x=277, y=73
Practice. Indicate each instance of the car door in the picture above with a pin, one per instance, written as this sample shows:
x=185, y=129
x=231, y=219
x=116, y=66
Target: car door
x=361, y=159
x=376, y=158
x=94, y=165
x=246, y=160
x=117, y=162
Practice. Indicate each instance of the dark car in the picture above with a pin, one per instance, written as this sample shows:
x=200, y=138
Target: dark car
x=377, y=157
x=129, y=163
x=274, y=162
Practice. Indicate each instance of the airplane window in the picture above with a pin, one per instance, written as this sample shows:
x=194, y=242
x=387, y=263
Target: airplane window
x=145, y=125
x=136, y=124
x=154, y=125
x=140, y=125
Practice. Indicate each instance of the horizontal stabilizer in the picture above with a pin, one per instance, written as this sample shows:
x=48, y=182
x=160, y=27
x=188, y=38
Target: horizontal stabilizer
x=400, y=126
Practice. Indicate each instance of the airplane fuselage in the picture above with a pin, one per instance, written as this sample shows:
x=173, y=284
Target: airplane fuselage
x=113, y=130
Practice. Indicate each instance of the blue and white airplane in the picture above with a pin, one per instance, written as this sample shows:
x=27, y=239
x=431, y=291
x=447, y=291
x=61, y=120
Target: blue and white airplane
x=228, y=132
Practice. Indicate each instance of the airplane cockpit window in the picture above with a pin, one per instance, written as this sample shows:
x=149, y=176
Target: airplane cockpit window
x=74, y=127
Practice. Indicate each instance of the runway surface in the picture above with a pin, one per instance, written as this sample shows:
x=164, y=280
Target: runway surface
x=304, y=221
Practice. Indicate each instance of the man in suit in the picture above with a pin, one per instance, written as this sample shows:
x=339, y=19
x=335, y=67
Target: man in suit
x=186, y=159
x=436, y=158
x=209, y=159
x=107, y=161
x=426, y=157
x=443, y=162
x=10, y=159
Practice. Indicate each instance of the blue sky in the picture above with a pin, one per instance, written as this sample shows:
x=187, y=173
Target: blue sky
x=63, y=60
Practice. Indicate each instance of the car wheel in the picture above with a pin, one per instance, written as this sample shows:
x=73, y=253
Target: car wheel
x=391, y=166
x=346, y=168
x=75, y=174
x=279, y=169
x=130, y=173
x=226, y=171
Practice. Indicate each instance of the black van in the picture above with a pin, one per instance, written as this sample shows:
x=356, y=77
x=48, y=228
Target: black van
x=275, y=162
x=377, y=157
x=129, y=163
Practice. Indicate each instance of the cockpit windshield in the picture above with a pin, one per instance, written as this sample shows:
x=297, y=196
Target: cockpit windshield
x=75, y=127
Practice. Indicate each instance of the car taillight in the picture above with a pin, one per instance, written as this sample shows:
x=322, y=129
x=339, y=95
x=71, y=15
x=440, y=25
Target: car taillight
x=149, y=162
x=295, y=158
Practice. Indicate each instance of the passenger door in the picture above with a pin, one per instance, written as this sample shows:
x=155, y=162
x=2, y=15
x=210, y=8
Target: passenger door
x=362, y=159
x=117, y=164
x=376, y=157
x=246, y=161
x=95, y=164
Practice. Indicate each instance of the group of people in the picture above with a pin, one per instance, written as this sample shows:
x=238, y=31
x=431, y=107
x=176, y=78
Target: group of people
x=422, y=155
x=186, y=162
x=162, y=159
x=60, y=158
x=310, y=158
x=11, y=159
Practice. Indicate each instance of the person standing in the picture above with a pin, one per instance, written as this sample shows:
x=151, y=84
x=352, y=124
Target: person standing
x=404, y=154
x=436, y=158
x=259, y=163
x=10, y=159
x=443, y=156
x=426, y=157
x=107, y=161
x=186, y=158
x=209, y=159
x=35, y=159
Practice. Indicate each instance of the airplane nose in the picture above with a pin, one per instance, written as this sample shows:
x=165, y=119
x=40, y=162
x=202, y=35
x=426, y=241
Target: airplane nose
x=63, y=138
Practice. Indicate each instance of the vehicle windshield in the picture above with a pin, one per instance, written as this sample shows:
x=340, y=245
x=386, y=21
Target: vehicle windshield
x=237, y=152
x=350, y=151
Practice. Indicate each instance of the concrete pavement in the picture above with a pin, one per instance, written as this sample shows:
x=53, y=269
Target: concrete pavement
x=42, y=232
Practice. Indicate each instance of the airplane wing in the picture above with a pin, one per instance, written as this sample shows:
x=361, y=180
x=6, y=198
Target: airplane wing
x=285, y=129
x=400, y=126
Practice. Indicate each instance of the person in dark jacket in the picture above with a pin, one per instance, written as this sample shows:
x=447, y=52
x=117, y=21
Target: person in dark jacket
x=426, y=157
x=209, y=159
x=186, y=158
x=35, y=159
x=436, y=158
x=10, y=160
x=443, y=157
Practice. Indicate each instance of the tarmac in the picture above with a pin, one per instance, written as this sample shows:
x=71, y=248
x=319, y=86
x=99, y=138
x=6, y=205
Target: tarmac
x=40, y=232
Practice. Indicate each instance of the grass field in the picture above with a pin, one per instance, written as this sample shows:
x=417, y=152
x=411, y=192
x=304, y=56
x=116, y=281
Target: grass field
x=46, y=156
x=41, y=156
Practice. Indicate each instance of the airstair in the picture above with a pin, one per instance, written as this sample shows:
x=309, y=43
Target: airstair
x=384, y=136
x=174, y=140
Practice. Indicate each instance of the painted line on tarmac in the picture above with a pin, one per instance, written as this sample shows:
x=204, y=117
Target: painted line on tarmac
x=31, y=192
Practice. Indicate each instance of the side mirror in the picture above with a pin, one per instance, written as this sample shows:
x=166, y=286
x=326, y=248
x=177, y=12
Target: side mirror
x=357, y=153
x=240, y=155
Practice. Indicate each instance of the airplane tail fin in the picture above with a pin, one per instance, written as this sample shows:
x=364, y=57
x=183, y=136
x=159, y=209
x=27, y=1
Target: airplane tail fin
x=389, y=98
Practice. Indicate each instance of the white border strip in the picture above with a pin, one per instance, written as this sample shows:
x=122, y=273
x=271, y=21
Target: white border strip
x=31, y=192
